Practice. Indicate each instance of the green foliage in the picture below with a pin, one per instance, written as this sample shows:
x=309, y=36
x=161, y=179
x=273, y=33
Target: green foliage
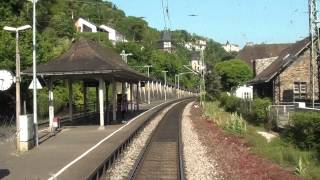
x=278, y=150
x=233, y=73
x=60, y=97
x=231, y=122
x=236, y=124
x=229, y=102
x=260, y=109
x=304, y=130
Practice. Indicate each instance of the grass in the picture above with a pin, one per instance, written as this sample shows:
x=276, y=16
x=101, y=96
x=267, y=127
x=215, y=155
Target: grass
x=305, y=163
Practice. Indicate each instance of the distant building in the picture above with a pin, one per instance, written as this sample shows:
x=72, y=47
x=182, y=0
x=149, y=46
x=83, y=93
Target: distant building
x=196, y=62
x=198, y=45
x=166, y=42
x=231, y=47
x=260, y=56
x=244, y=92
x=287, y=78
x=85, y=26
x=114, y=36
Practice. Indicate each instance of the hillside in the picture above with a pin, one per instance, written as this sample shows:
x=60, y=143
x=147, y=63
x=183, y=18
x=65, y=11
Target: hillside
x=55, y=32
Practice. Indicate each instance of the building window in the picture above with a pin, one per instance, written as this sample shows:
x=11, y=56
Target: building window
x=246, y=95
x=300, y=90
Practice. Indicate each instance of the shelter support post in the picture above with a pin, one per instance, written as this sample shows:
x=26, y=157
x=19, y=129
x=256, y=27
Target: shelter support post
x=51, y=106
x=144, y=93
x=149, y=101
x=114, y=100
x=102, y=88
x=160, y=89
x=157, y=89
x=138, y=96
x=70, y=100
x=131, y=96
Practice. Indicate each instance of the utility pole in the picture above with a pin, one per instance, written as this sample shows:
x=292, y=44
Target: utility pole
x=203, y=83
x=18, y=78
x=314, y=49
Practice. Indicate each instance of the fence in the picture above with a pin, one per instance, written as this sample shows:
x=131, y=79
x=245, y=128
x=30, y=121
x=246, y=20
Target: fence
x=279, y=115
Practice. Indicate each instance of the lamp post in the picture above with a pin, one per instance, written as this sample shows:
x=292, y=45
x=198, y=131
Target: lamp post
x=165, y=85
x=34, y=72
x=18, y=79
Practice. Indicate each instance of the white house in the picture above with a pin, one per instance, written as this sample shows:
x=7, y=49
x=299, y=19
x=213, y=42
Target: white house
x=231, y=47
x=113, y=35
x=196, y=46
x=85, y=26
x=244, y=92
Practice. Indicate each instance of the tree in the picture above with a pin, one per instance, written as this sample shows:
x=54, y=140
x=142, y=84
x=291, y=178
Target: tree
x=233, y=73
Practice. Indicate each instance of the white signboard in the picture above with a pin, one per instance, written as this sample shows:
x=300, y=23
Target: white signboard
x=38, y=84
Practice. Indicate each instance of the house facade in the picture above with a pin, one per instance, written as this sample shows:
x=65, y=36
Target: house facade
x=288, y=78
x=231, y=47
x=165, y=43
x=114, y=36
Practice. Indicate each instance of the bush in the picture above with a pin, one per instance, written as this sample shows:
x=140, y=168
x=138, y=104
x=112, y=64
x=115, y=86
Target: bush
x=260, y=109
x=304, y=130
x=229, y=103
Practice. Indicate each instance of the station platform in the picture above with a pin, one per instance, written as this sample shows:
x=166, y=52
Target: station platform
x=74, y=152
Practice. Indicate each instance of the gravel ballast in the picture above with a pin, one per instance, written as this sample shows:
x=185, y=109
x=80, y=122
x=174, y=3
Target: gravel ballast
x=123, y=165
x=197, y=164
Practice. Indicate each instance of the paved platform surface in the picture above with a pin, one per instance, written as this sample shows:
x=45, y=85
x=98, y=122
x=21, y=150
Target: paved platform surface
x=57, y=151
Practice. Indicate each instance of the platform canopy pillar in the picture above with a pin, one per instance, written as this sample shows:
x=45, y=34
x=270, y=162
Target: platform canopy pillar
x=102, y=89
x=51, y=105
x=131, y=96
x=70, y=100
x=138, y=95
x=160, y=90
x=144, y=93
x=114, y=100
x=124, y=98
x=152, y=93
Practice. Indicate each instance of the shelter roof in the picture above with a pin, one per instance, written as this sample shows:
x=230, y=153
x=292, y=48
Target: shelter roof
x=86, y=57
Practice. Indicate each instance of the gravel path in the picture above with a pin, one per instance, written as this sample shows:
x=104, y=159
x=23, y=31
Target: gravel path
x=121, y=168
x=197, y=164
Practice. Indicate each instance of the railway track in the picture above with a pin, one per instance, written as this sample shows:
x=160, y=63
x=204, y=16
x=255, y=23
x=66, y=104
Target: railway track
x=162, y=156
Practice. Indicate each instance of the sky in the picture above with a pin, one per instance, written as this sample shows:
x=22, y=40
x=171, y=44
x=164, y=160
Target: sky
x=237, y=21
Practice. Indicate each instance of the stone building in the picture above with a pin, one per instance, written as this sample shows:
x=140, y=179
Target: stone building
x=288, y=77
x=260, y=56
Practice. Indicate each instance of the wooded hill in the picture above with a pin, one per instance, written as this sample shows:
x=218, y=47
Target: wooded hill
x=55, y=32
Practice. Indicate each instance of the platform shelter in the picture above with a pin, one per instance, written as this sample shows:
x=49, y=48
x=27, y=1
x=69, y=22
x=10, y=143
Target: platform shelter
x=96, y=66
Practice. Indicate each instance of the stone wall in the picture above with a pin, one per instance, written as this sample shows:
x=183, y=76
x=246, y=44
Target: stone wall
x=262, y=64
x=298, y=71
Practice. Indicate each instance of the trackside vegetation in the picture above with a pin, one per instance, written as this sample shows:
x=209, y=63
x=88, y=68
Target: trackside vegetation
x=297, y=148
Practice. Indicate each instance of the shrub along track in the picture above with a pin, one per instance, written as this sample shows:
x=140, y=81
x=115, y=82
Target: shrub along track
x=233, y=153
